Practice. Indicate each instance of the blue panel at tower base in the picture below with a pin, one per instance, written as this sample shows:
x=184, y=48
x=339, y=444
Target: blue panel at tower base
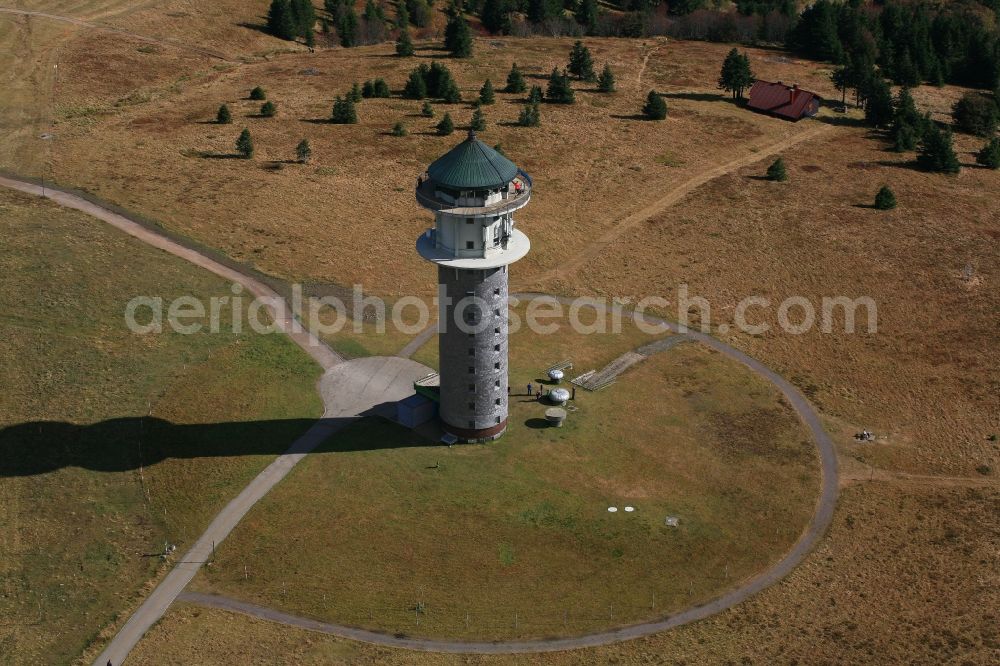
x=415, y=410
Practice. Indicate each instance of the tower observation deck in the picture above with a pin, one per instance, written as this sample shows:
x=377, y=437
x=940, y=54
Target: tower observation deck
x=473, y=192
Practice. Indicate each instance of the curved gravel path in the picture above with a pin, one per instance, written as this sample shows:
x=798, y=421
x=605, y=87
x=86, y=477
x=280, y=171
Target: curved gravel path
x=354, y=379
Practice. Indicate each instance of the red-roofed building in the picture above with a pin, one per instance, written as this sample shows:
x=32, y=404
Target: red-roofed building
x=788, y=102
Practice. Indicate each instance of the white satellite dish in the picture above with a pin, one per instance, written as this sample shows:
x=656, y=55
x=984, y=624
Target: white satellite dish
x=612, y=509
x=630, y=509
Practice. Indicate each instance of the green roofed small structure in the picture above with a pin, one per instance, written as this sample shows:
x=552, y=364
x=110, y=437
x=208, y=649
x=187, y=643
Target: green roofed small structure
x=472, y=165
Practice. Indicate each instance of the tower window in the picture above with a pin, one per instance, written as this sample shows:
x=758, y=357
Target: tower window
x=496, y=292
x=472, y=370
x=472, y=351
x=470, y=245
x=472, y=405
x=496, y=347
x=497, y=383
x=472, y=387
x=498, y=420
x=498, y=401
x=496, y=330
x=469, y=220
x=497, y=365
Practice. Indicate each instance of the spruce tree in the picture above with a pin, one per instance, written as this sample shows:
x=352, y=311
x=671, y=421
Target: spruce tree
x=399, y=129
x=224, y=117
x=495, y=15
x=606, y=81
x=368, y=89
x=279, y=20
x=976, y=114
x=404, y=45
x=736, y=75
x=416, y=87
x=777, y=171
x=427, y=111
x=258, y=94
x=586, y=15
x=559, y=90
x=478, y=122
x=907, y=124
x=303, y=16
x=402, y=15
x=244, y=144
x=451, y=94
x=654, y=108
x=840, y=78
x=486, y=95
x=303, y=151
x=344, y=112
x=268, y=109
x=458, y=37
x=355, y=93
x=446, y=126
x=535, y=95
x=878, y=103
x=937, y=153
x=885, y=199
x=381, y=88
x=530, y=115
x=347, y=27
x=581, y=64
x=989, y=156
x=515, y=80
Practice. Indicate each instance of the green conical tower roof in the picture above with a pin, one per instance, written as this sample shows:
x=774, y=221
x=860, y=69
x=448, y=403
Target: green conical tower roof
x=472, y=165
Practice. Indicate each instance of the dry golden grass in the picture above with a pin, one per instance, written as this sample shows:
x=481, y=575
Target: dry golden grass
x=889, y=584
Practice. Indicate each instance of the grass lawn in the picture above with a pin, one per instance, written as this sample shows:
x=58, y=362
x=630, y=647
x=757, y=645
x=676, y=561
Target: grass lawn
x=514, y=539
x=112, y=444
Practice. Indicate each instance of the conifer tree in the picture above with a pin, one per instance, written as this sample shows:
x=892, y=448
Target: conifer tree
x=344, y=112
x=355, y=93
x=446, y=126
x=989, y=156
x=303, y=16
x=559, y=90
x=878, y=103
x=368, y=89
x=279, y=20
x=581, y=64
x=451, y=94
x=606, y=81
x=244, y=144
x=976, y=114
x=268, y=109
x=535, y=95
x=404, y=45
x=515, y=80
x=777, y=171
x=416, y=87
x=399, y=129
x=402, y=16
x=530, y=115
x=885, y=199
x=586, y=15
x=427, y=111
x=495, y=15
x=937, y=153
x=347, y=27
x=654, y=108
x=224, y=116
x=478, y=121
x=907, y=123
x=486, y=95
x=303, y=151
x=736, y=75
x=258, y=94
x=381, y=88
x=458, y=37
